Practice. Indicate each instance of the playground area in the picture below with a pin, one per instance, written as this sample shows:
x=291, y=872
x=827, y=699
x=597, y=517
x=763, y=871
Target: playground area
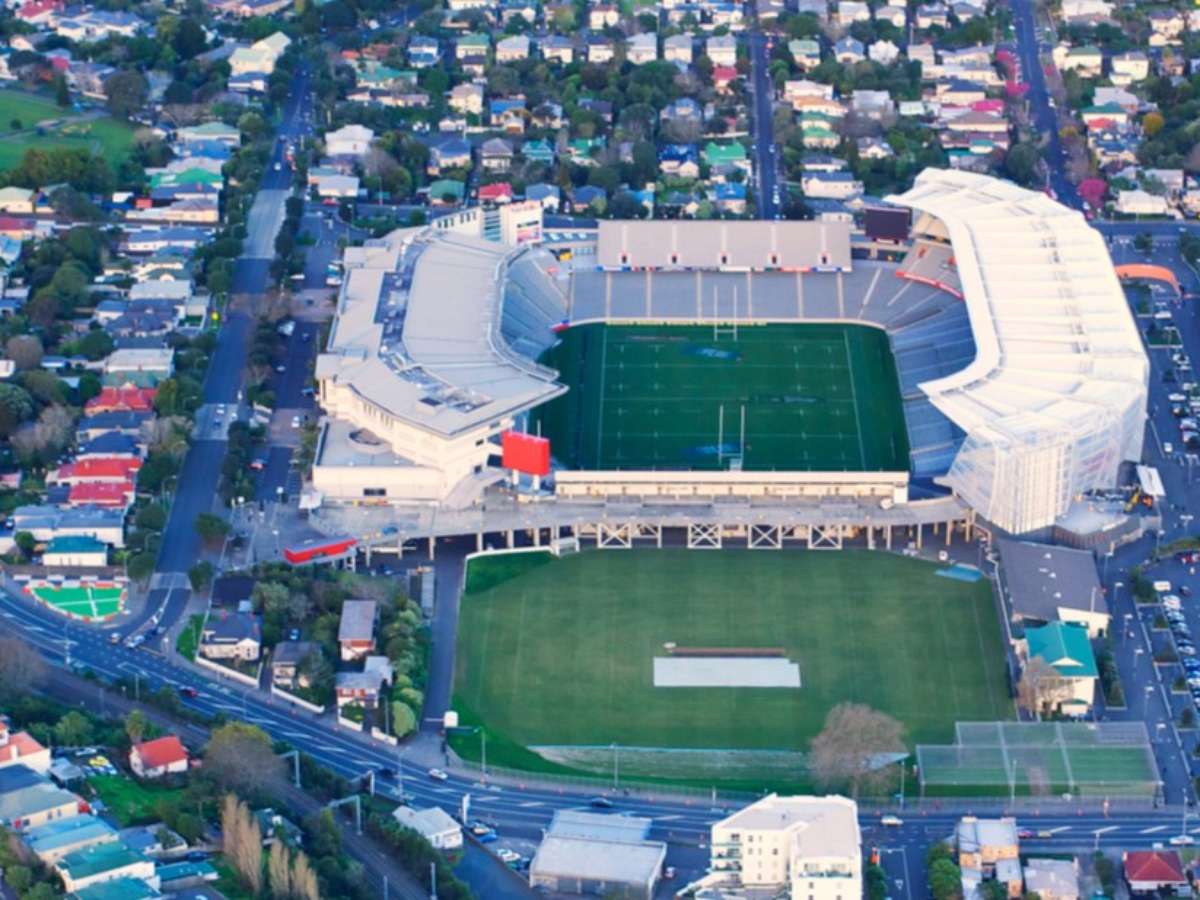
x=91, y=601
x=624, y=647
x=1041, y=759
x=790, y=397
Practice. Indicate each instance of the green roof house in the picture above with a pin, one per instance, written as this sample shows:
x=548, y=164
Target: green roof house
x=118, y=889
x=1066, y=649
x=724, y=157
x=443, y=188
x=104, y=862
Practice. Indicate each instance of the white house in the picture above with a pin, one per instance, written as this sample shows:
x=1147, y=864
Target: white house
x=434, y=824
x=722, y=50
x=349, y=140
x=16, y=200
x=161, y=756
x=1129, y=67
x=1140, y=203
x=642, y=48
x=259, y=57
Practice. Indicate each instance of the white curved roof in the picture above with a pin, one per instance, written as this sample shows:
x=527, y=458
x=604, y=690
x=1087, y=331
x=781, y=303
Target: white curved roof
x=1056, y=347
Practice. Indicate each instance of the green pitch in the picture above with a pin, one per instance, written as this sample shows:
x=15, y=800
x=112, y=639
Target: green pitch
x=814, y=397
x=561, y=653
x=88, y=601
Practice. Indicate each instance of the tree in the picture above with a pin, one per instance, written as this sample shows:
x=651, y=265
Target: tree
x=140, y=566
x=1152, y=123
x=212, y=529
x=279, y=872
x=21, y=668
x=45, y=439
x=62, y=94
x=126, y=93
x=15, y=407
x=1021, y=162
x=877, y=886
x=1143, y=242
x=201, y=575
x=945, y=880
x=304, y=879
x=849, y=747
x=136, y=724
x=73, y=730
x=991, y=889
x=404, y=720
x=189, y=39
x=25, y=350
x=242, y=842
x=240, y=758
x=1037, y=686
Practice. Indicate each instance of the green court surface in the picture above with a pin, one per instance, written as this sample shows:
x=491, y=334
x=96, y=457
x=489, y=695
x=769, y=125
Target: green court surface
x=86, y=601
x=562, y=653
x=783, y=396
x=62, y=127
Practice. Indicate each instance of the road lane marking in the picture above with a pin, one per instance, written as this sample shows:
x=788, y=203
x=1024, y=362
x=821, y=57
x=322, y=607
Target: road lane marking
x=1060, y=828
x=531, y=804
x=1153, y=829
x=1108, y=828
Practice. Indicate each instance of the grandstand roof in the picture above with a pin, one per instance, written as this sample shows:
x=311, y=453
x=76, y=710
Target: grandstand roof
x=417, y=333
x=659, y=244
x=1058, y=358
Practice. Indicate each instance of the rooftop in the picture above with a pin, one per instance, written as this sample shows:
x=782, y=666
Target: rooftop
x=583, y=825
x=97, y=859
x=1042, y=579
x=609, y=862
x=358, y=620
x=417, y=333
x=824, y=826
x=711, y=245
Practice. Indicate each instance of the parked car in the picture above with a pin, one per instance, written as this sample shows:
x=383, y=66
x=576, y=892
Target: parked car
x=600, y=803
x=438, y=775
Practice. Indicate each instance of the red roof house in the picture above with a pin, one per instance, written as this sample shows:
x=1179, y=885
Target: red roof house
x=38, y=10
x=104, y=469
x=101, y=493
x=124, y=399
x=22, y=749
x=1150, y=871
x=162, y=756
x=500, y=192
x=724, y=76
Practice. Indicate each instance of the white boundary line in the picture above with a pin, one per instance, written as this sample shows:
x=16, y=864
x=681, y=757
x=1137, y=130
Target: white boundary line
x=862, y=453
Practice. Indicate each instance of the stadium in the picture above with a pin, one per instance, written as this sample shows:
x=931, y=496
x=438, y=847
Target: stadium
x=970, y=356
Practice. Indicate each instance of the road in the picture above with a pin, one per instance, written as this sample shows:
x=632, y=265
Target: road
x=201, y=472
x=1043, y=117
x=763, y=105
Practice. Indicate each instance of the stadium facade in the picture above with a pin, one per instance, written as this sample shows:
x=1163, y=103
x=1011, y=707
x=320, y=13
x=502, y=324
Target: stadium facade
x=1021, y=372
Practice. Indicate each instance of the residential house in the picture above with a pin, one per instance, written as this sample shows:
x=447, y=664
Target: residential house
x=556, y=48
x=1126, y=100
x=16, y=200
x=806, y=53
x=260, y=57
x=603, y=15
x=473, y=45
x=1052, y=879
x=932, y=15
x=496, y=193
x=588, y=196
x=723, y=159
x=209, y=131
x=872, y=104
x=424, y=51
x=874, y=148
x=549, y=195
x=848, y=51
x=286, y=661
x=1154, y=872
x=831, y=185
x=446, y=192
x=496, y=155
x=1141, y=203
x=1110, y=114
x=467, y=98
x=895, y=15
x=850, y=11
x=1126, y=68
x=538, y=151
x=679, y=160
x=1166, y=24
x=356, y=631
x=724, y=78
x=883, y=52
x=433, y=824
x=349, y=140
x=19, y=748
x=599, y=49
x=29, y=799
x=1067, y=650
x=721, y=49
x=817, y=132
x=677, y=48
x=162, y=756
x=1090, y=10
x=451, y=154
x=231, y=635
x=729, y=198
x=1087, y=62
x=642, y=48
x=512, y=49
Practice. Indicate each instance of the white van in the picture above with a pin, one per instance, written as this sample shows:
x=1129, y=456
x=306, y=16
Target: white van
x=1163, y=587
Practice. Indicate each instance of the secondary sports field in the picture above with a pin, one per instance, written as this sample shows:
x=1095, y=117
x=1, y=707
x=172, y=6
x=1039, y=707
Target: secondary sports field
x=87, y=601
x=561, y=652
x=798, y=396
x=21, y=113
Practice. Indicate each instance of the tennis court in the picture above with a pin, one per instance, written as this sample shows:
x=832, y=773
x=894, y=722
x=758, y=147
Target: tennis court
x=90, y=600
x=815, y=397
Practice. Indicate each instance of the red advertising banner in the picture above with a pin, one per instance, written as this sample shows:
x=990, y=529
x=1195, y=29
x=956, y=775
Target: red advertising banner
x=525, y=453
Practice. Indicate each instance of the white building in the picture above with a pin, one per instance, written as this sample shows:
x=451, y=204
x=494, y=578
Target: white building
x=1141, y=203
x=417, y=386
x=259, y=57
x=349, y=140
x=1055, y=398
x=433, y=824
x=722, y=50
x=807, y=846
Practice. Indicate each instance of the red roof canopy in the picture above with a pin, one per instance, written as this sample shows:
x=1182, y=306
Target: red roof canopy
x=163, y=751
x=1153, y=865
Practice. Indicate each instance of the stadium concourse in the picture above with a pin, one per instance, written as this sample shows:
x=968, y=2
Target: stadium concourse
x=1019, y=380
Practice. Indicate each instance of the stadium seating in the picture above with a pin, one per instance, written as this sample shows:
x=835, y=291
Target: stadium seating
x=533, y=305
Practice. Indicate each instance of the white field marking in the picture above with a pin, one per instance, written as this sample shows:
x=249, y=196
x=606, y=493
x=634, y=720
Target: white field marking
x=1156, y=828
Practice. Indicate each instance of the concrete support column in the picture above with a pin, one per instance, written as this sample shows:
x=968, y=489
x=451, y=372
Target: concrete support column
x=537, y=537
x=432, y=548
x=399, y=548
x=510, y=538
x=888, y=536
x=870, y=537
x=367, y=554
x=919, y=530
x=949, y=532
x=479, y=542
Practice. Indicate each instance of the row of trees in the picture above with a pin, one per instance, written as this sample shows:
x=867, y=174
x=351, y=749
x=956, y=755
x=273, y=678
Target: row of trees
x=288, y=875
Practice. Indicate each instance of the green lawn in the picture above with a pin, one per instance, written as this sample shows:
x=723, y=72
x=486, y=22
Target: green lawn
x=189, y=638
x=68, y=129
x=131, y=802
x=562, y=653
x=820, y=397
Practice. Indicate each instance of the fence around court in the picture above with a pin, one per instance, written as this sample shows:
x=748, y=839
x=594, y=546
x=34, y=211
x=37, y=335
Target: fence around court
x=1042, y=759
